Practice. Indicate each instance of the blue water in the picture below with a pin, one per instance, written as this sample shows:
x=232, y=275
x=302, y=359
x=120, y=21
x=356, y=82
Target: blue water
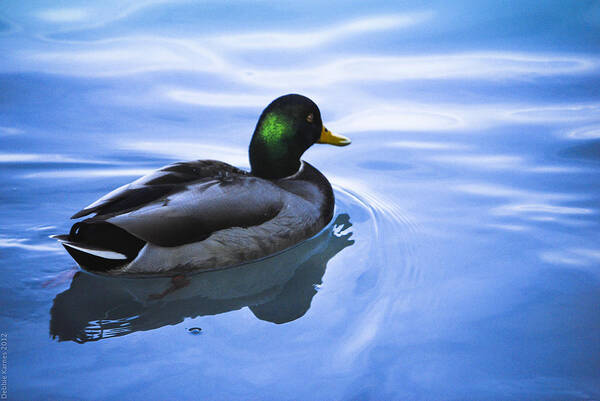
x=463, y=262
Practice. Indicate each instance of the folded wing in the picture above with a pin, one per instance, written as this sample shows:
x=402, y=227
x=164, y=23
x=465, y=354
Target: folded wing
x=183, y=203
x=158, y=184
x=203, y=208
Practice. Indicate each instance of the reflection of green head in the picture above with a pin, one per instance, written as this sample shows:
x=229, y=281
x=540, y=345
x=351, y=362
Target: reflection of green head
x=286, y=128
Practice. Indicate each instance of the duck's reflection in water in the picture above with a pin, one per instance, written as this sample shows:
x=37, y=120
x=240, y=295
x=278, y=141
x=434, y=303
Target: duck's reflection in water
x=278, y=289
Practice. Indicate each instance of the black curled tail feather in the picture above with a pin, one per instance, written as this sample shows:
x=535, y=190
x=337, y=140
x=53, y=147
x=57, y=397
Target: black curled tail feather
x=102, y=235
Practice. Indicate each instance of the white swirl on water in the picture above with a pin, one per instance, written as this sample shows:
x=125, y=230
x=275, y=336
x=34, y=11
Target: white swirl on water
x=587, y=132
x=390, y=229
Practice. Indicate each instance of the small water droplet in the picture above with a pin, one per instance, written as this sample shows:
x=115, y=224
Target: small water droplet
x=195, y=330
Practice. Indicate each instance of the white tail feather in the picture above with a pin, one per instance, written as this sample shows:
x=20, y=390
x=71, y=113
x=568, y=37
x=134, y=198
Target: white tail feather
x=97, y=252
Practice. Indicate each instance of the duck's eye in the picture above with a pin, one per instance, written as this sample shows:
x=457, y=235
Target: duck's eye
x=310, y=118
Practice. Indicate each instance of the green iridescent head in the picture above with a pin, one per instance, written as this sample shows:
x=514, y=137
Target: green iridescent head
x=286, y=128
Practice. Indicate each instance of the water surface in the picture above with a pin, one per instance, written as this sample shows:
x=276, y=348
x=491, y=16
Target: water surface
x=463, y=262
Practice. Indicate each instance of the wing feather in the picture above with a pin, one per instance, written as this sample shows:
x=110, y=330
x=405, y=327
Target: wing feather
x=203, y=208
x=158, y=184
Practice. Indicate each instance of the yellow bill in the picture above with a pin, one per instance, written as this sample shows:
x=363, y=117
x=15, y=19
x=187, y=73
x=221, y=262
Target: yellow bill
x=333, y=139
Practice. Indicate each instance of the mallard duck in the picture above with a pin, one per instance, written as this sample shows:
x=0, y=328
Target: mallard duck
x=207, y=214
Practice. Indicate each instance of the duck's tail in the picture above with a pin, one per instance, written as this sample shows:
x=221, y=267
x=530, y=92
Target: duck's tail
x=100, y=246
